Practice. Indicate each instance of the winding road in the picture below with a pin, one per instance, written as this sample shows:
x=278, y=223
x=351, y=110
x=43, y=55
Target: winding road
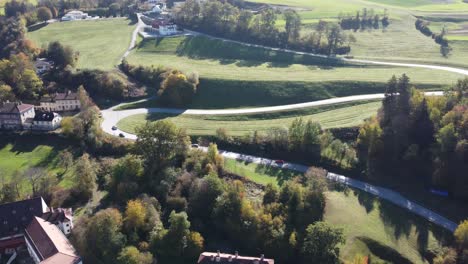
x=111, y=118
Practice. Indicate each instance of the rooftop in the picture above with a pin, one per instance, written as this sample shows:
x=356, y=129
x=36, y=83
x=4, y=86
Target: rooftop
x=14, y=108
x=15, y=217
x=50, y=243
x=44, y=116
x=223, y=258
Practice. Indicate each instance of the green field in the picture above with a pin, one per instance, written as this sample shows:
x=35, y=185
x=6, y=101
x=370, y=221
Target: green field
x=371, y=226
x=18, y=155
x=170, y=53
x=101, y=43
x=239, y=126
x=401, y=41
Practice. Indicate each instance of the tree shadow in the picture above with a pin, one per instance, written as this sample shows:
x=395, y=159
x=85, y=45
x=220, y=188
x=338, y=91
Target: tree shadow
x=280, y=174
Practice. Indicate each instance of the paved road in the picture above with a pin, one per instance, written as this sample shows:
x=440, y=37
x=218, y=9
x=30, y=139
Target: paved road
x=381, y=192
x=111, y=117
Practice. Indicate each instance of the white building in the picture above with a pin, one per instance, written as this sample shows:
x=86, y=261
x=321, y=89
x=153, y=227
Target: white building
x=46, y=121
x=42, y=65
x=60, y=102
x=75, y=15
x=164, y=27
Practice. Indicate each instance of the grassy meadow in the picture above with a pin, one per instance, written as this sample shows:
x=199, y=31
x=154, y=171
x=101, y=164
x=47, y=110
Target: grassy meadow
x=101, y=43
x=240, y=125
x=212, y=62
x=371, y=226
x=20, y=154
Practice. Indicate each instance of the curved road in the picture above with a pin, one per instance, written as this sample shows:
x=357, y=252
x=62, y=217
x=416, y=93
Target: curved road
x=111, y=117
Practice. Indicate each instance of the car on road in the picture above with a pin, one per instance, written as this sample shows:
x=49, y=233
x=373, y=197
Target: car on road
x=279, y=163
x=195, y=146
x=121, y=135
x=114, y=128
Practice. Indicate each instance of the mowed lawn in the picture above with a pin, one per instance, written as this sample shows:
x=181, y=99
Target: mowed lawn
x=207, y=125
x=216, y=67
x=371, y=226
x=18, y=155
x=101, y=43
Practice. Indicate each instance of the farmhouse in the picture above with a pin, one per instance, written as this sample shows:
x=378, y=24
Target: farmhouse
x=60, y=102
x=165, y=27
x=42, y=65
x=16, y=115
x=31, y=226
x=211, y=257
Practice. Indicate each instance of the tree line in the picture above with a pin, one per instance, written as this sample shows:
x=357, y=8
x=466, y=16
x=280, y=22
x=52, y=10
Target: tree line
x=225, y=20
x=439, y=38
x=365, y=20
x=419, y=139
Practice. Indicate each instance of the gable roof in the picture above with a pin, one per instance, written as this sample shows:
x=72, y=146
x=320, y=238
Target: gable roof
x=50, y=243
x=15, y=217
x=68, y=95
x=58, y=215
x=222, y=258
x=14, y=108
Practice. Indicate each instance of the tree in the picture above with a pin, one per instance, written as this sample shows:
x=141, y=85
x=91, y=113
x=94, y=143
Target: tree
x=61, y=55
x=271, y=194
x=159, y=143
x=101, y=240
x=125, y=175
x=85, y=177
x=321, y=243
x=461, y=234
x=195, y=245
x=135, y=215
x=6, y=93
x=176, y=90
x=131, y=255
x=44, y=14
x=292, y=26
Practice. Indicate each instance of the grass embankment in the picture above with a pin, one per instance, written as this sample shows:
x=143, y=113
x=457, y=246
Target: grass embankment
x=372, y=226
x=100, y=43
x=240, y=125
x=22, y=153
x=216, y=94
x=182, y=54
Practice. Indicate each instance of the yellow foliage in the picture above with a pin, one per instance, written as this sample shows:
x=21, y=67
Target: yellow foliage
x=135, y=214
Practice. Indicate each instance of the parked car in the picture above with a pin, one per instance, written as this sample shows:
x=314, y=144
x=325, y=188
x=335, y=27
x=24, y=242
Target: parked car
x=121, y=135
x=279, y=163
x=114, y=128
x=195, y=146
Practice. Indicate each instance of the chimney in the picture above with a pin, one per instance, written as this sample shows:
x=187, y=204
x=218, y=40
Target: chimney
x=262, y=257
x=212, y=257
x=230, y=258
x=218, y=256
x=237, y=254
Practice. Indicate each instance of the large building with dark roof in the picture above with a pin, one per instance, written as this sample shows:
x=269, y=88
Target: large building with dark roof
x=33, y=214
